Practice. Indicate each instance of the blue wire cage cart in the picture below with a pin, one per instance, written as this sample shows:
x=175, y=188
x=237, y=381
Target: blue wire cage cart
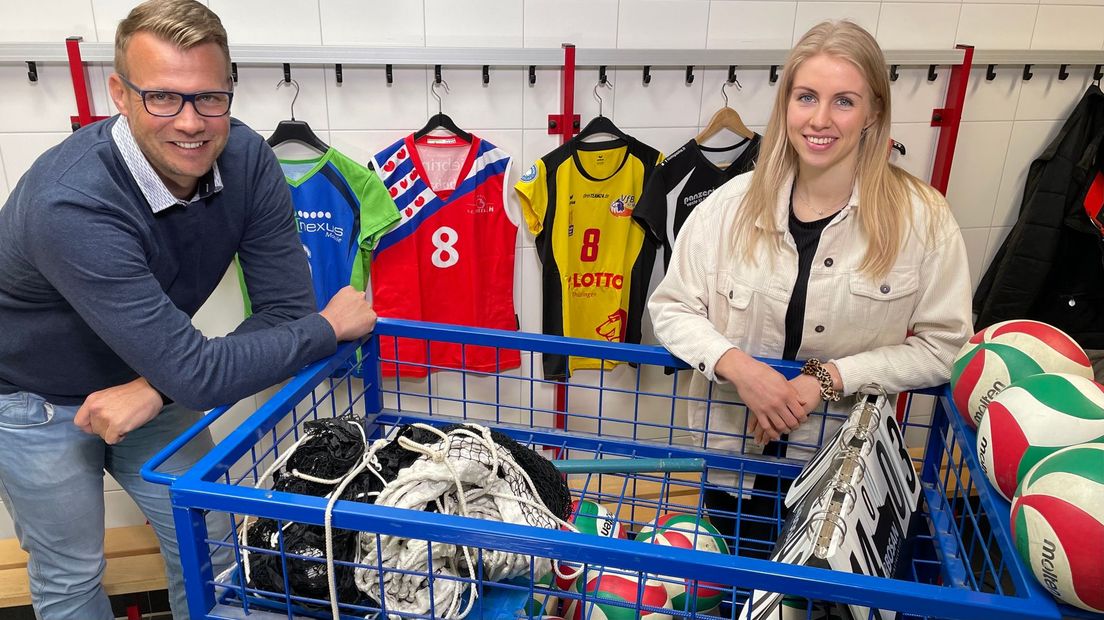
x=960, y=562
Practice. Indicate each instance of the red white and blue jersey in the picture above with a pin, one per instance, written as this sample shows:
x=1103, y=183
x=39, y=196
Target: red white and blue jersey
x=450, y=257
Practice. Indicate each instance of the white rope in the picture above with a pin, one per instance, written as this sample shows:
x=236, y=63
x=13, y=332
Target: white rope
x=342, y=481
x=463, y=485
x=279, y=462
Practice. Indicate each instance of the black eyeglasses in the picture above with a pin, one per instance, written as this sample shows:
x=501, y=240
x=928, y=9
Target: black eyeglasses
x=165, y=103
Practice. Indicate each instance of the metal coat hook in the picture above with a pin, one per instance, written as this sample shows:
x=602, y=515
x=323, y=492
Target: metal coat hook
x=290, y=82
x=287, y=73
x=1098, y=72
x=338, y=72
x=647, y=75
x=32, y=71
x=931, y=73
x=774, y=74
x=1063, y=72
x=602, y=75
x=897, y=146
x=433, y=90
x=601, y=82
x=234, y=72
x=990, y=73
x=689, y=74
x=1027, y=74
x=893, y=74
x=532, y=75
x=437, y=75
x=389, y=71
x=724, y=94
x=486, y=75
x=731, y=80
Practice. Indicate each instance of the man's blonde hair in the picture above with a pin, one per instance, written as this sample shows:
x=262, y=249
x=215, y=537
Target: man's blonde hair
x=184, y=23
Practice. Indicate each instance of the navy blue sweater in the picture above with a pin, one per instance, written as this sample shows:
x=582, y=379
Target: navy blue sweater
x=96, y=290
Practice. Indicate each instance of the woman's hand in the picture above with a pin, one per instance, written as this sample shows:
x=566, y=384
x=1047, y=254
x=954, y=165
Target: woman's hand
x=808, y=390
x=778, y=407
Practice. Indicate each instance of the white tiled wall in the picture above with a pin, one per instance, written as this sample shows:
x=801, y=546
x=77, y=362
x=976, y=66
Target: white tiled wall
x=1006, y=124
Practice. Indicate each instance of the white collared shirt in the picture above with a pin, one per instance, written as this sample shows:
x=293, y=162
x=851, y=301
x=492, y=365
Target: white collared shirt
x=153, y=188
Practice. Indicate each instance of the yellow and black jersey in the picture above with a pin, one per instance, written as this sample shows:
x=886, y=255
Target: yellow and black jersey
x=578, y=200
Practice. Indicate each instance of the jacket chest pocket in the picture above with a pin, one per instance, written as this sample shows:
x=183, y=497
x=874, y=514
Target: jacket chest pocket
x=881, y=305
x=734, y=298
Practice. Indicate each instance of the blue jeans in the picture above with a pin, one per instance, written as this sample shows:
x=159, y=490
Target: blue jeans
x=52, y=484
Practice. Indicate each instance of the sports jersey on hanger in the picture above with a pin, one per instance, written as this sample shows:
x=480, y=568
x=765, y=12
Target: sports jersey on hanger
x=341, y=211
x=450, y=258
x=578, y=200
x=684, y=179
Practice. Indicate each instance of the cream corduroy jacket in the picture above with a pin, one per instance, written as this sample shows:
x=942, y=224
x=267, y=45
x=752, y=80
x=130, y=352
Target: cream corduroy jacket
x=712, y=299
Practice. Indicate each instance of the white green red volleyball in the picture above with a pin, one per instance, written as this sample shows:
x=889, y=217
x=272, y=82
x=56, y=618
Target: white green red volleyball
x=543, y=602
x=1058, y=524
x=593, y=518
x=1006, y=352
x=588, y=518
x=615, y=595
x=1034, y=418
x=688, y=532
x=1040, y=341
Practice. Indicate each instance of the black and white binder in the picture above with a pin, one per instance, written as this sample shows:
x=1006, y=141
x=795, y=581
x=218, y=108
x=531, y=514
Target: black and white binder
x=851, y=506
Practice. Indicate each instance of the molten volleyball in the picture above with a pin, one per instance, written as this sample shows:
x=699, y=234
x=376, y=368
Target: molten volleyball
x=1003, y=353
x=588, y=518
x=1058, y=524
x=1034, y=418
x=687, y=532
x=617, y=595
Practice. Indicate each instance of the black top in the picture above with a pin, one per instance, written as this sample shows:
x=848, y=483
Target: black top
x=807, y=237
x=684, y=180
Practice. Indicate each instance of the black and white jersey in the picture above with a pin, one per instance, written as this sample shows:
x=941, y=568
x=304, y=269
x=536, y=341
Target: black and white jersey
x=685, y=179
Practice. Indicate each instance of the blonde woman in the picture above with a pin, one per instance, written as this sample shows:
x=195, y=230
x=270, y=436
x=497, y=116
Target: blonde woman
x=826, y=252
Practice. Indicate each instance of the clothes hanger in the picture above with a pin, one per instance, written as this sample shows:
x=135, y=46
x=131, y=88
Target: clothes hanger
x=296, y=131
x=601, y=124
x=441, y=120
x=725, y=118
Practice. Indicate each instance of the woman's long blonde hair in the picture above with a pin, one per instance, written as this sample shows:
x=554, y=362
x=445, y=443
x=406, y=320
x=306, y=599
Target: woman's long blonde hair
x=884, y=190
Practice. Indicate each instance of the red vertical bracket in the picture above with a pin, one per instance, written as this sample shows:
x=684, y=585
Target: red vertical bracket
x=949, y=118
x=566, y=123
x=79, y=76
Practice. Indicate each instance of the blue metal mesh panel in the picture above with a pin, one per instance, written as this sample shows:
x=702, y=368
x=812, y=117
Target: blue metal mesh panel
x=958, y=564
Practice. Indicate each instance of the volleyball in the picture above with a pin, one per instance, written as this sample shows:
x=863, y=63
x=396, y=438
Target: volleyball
x=687, y=532
x=1034, y=418
x=593, y=518
x=543, y=600
x=1001, y=354
x=588, y=518
x=1040, y=341
x=1058, y=524
x=617, y=595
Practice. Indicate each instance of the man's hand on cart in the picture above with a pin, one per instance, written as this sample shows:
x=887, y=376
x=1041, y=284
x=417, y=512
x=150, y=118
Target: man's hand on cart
x=350, y=314
x=113, y=412
x=778, y=407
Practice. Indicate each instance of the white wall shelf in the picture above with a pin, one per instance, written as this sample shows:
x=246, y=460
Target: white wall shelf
x=474, y=56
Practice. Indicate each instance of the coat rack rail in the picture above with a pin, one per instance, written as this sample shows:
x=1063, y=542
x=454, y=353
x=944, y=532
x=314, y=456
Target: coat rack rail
x=45, y=53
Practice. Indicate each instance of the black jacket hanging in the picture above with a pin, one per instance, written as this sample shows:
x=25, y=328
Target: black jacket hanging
x=1051, y=266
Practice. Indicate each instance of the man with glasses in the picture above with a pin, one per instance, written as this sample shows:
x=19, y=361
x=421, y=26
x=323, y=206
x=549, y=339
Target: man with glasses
x=108, y=246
